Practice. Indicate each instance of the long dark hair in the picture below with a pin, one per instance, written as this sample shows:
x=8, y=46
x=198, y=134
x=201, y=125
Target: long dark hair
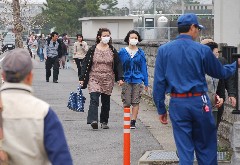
x=99, y=34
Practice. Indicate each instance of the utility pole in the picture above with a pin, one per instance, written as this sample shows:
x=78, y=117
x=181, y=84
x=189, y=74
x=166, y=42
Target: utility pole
x=154, y=7
x=130, y=6
x=182, y=4
x=18, y=28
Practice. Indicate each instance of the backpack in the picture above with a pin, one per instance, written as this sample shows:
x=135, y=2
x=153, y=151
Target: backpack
x=60, y=48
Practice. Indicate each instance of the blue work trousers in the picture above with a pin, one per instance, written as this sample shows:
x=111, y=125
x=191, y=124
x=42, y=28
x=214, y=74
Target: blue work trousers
x=194, y=130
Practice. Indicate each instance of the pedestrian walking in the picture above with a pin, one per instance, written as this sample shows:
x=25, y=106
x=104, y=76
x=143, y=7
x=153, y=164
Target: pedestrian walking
x=180, y=70
x=65, y=45
x=33, y=134
x=135, y=73
x=52, y=54
x=102, y=65
x=80, y=49
x=228, y=84
x=41, y=44
x=34, y=47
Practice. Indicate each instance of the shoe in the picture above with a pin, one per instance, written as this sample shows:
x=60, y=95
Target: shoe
x=47, y=80
x=94, y=125
x=133, y=126
x=104, y=126
x=55, y=81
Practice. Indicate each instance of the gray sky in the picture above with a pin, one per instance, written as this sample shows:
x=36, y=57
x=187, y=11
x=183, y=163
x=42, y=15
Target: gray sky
x=123, y=3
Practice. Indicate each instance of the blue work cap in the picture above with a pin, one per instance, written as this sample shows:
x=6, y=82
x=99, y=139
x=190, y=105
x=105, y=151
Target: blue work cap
x=189, y=19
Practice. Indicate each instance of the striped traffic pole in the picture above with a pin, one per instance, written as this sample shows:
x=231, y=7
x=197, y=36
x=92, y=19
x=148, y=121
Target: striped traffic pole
x=126, y=136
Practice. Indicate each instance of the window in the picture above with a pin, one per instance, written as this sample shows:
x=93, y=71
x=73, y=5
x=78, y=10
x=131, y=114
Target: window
x=149, y=22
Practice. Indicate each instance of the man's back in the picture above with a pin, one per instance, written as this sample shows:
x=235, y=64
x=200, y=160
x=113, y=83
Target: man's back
x=23, y=125
x=185, y=63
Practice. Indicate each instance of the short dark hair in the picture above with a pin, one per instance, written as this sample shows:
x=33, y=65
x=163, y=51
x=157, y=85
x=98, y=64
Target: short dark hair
x=79, y=35
x=64, y=34
x=99, y=34
x=184, y=29
x=132, y=32
x=53, y=33
x=212, y=45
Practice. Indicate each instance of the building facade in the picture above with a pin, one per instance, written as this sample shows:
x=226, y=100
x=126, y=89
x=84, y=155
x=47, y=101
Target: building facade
x=227, y=22
x=119, y=26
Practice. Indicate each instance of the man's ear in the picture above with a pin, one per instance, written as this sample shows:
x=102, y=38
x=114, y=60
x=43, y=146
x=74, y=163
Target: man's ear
x=29, y=78
x=3, y=76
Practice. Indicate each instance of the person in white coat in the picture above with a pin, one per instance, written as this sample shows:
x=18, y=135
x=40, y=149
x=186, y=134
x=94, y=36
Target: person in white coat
x=80, y=49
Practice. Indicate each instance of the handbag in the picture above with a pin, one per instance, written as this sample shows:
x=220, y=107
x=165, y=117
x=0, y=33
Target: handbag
x=76, y=100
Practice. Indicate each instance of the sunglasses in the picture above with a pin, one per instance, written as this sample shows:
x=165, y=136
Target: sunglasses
x=199, y=29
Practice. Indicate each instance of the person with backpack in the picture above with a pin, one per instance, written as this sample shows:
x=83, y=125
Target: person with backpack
x=53, y=52
x=100, y=66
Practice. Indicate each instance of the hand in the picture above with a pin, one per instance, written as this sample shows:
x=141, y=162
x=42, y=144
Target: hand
x=146, y=88
x=120, y=82
x=232, y=100
x=81, y=83
x=219, y=102
x=45, y=57
x=163, y=118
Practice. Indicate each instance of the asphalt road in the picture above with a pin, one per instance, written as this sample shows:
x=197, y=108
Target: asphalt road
x=88, y=147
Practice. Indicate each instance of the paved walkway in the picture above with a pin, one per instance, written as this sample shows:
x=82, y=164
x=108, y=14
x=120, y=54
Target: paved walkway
x=101, y=147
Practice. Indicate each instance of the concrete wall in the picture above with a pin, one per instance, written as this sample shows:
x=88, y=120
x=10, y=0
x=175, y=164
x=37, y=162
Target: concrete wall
x=118, y=28
x=227, y=22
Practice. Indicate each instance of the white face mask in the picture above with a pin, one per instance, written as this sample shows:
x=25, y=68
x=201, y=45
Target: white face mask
x=105, y=40
x=133, y=42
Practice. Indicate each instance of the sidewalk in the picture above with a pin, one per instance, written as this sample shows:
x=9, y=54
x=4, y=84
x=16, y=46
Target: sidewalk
x=88, y=146
x=149, y=117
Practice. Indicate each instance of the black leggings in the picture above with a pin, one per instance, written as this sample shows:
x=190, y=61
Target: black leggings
x=79, y=65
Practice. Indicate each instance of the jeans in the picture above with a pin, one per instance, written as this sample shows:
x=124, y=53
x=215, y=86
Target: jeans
x=41, y=56
x=93, y=107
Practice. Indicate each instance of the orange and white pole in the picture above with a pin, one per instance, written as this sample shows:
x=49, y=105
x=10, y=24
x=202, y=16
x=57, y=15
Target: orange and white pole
x=126, y=136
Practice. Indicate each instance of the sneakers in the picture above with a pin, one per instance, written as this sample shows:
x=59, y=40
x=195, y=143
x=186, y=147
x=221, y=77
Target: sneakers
x=133, y=126
x=55, y=81
x=104, y=126
x=94, y=125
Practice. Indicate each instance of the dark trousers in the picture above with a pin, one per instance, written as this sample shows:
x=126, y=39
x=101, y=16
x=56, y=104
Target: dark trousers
x=52, y=62
x=79, y=65
x=219, y=115
x=93, y=107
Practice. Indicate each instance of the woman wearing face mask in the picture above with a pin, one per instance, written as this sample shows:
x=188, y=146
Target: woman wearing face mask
x=80, y=49
x=100, y=67
x=135, y=73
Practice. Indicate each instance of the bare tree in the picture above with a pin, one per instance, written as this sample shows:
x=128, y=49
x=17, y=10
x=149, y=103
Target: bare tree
x=140, y=5
x=18, y=27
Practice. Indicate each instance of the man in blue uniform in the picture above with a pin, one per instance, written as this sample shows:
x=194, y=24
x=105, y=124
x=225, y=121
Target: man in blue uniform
x=180, y=70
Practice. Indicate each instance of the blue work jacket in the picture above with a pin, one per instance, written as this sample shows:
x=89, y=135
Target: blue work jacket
x=181, y=66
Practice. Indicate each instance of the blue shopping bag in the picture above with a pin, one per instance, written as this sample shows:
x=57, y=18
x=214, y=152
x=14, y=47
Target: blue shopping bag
x=76, y=100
